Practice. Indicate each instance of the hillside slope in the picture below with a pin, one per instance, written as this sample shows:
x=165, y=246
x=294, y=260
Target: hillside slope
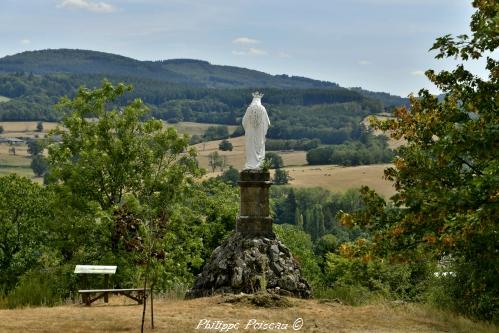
x=185, y=71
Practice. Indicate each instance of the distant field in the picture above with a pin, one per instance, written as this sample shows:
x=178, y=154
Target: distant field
x=337, y=178
x=4, y=99
x=236, y=157
x=197, y=128
x=25, y=129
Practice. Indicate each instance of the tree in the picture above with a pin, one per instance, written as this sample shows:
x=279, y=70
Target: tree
x=275, y=160
x=1, y=129
x=230, y=176
x=446, y=174
x=281, y=177
x=39, y=126
x=225, y=145
x=39, y=165
x=24, y=213
x=132, y=170
x=215, y=160
x=35, y=147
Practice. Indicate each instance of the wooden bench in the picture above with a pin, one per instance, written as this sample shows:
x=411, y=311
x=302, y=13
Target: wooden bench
x=91, y=295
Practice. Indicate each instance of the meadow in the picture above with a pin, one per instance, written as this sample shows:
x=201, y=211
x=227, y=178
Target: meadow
x=331, y=177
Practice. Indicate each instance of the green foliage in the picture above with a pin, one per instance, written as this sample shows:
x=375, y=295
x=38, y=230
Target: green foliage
x=216, y=133
x=315, y=210
x=39, y=165
x=230, y=176
x=389, y=280
x=301, y=144
x=446, y=174
x=102, y=159
x=301, y=247
x=35, y=147
x=225, y=145
x=275, y=160
x=25, y=213
x=215, y=160
x=352, y=153
x=39, y=126
x=281, y=177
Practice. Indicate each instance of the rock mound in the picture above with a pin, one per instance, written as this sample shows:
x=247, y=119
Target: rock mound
x=248, y=264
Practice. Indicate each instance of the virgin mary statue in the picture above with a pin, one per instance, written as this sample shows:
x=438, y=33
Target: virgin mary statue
x=256, y=123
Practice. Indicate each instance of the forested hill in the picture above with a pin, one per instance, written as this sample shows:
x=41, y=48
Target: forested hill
x=184, y=71
x=189, y=90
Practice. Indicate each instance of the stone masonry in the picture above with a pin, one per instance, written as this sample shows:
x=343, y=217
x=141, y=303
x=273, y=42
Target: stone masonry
x=252, y=259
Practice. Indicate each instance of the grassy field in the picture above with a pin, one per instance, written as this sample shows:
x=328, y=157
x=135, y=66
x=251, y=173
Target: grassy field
x=197, y=128
x=4, y=99
x=236, y=157
x=336, y=178
x=184, y=316
x=333, y=178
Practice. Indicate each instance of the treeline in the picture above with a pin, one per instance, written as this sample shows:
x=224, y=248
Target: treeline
x=330, y=115
x=352, y=153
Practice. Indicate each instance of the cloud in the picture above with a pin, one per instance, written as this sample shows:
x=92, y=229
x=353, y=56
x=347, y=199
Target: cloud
x=93, y=6
x=364, y=62
x=418, y=73
x=25, y=41
x=257, y=52
x=250, y=52
x=245, y=41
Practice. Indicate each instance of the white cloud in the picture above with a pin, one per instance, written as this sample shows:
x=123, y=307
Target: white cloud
x=245, y=41
x=364, y=62
x=418, y=73
x=250, y=52
x=93, y=6
x=25, y=41
x=257, y=52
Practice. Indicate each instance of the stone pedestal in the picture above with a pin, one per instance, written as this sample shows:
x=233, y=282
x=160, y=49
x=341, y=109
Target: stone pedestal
x=254, y=214
x=252, y=259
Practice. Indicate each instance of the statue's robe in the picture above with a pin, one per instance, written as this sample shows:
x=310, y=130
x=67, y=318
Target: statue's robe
x=256, y=123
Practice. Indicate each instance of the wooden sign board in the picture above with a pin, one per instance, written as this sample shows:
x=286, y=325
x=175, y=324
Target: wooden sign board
x=95, y=269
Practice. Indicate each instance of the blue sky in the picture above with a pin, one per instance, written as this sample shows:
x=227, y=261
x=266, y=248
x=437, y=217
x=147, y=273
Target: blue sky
x=380, y=45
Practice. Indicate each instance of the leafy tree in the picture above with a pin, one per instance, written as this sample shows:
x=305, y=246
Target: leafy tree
x=39, y=126
x=39, y=165
x=225, y=145
x=24, y=214
x=35, y=147
x=230, y=176
x=118, y=154
x=446, y=173
x=195, y=139
x=281, y=177
x=275, y=160
x=216, y=133
x=215, y=160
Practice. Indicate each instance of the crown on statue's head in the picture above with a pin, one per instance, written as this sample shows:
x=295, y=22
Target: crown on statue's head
x=257, y=94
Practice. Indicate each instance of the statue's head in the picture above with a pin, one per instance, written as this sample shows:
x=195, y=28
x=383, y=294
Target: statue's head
x=257, y=94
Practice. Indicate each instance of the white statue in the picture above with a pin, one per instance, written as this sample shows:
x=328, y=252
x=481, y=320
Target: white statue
x=256, y=123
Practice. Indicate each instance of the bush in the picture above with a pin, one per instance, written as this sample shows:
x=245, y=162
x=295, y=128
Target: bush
x=391, y=280
x=225, y=145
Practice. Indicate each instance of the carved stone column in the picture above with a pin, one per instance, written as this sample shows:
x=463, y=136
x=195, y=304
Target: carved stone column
x=254, y=215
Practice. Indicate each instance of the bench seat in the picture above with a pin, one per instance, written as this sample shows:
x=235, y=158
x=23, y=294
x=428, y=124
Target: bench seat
x=137, y=294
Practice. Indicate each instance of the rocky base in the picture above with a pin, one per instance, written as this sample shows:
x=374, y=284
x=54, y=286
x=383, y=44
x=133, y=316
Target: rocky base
x=248, y=264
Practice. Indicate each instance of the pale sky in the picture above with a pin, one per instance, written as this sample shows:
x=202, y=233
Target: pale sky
x=380, y=45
